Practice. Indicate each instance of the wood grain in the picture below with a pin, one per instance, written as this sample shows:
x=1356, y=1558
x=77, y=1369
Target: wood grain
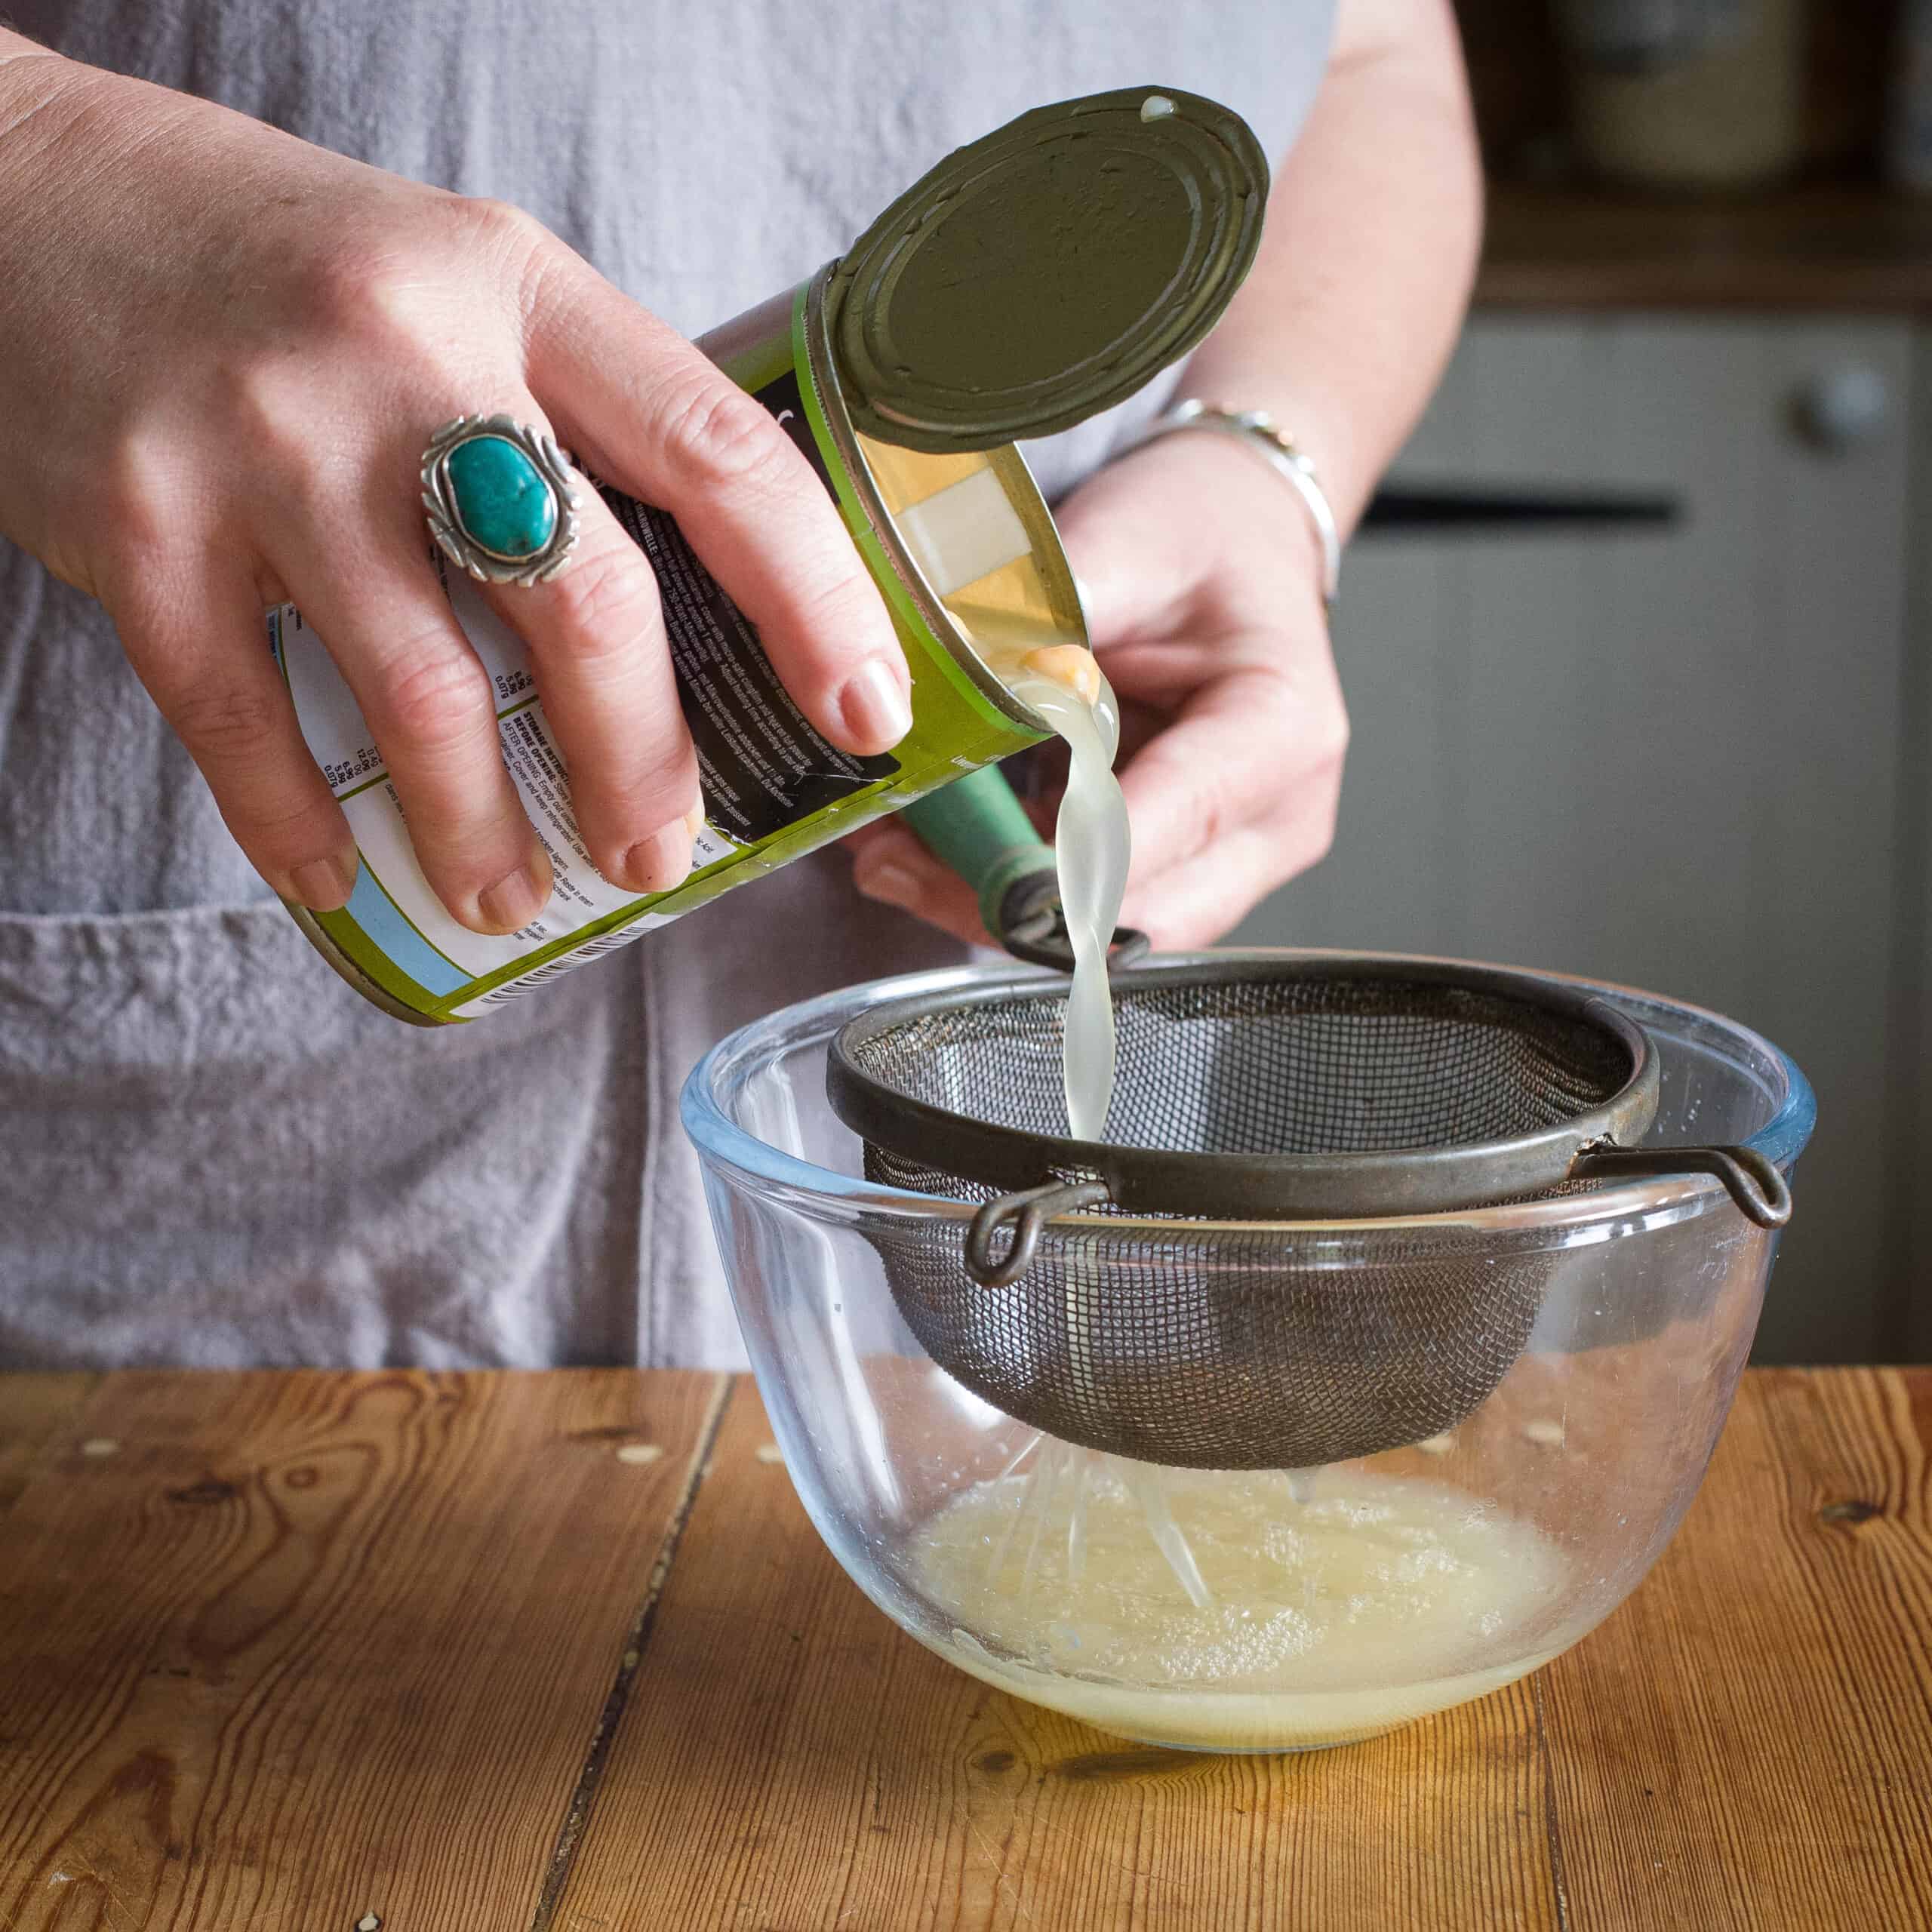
x=791, y=1762
x=1823, y=247
x=1747, y=1742
x=309, y=1647
x=304, y=1649
x=34, y=1410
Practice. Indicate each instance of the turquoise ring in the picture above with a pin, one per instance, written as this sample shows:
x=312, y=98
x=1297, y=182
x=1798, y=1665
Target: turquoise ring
x=499, y=498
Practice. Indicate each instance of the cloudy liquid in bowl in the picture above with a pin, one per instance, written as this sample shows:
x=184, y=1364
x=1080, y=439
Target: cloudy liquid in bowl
x=1376, y=1601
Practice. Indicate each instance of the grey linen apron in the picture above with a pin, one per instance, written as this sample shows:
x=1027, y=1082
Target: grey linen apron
x=212, y=1152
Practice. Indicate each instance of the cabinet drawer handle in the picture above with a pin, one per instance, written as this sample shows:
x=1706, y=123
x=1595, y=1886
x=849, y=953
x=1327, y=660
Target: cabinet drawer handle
x=1453, y=507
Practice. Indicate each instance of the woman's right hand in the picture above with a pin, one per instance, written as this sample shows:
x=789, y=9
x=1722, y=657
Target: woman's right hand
x=221, y=351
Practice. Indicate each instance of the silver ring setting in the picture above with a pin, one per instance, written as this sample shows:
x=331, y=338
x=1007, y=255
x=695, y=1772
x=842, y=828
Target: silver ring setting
x=500, y=498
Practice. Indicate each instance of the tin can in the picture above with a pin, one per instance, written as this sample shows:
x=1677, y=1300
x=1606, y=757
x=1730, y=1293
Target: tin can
x=939, y=502
x=774, y=788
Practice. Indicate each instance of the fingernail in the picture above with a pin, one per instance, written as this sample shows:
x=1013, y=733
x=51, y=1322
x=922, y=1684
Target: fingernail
x=323, y=885
x=514, y=900
x=893, y=883
x=661, y=861
x=874, y=705
x=694, y=819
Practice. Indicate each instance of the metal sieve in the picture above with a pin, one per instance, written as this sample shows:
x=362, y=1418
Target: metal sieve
x=1161, y=1316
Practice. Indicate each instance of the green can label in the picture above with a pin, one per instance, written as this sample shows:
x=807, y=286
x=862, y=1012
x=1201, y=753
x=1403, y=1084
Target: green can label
x=773, y=789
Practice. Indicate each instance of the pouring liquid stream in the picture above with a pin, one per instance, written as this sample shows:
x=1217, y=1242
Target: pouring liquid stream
x=1091, y=847
x=1092, y=850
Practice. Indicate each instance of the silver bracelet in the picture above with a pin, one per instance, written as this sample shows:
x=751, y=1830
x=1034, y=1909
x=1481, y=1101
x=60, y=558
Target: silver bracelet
x=1260, y=432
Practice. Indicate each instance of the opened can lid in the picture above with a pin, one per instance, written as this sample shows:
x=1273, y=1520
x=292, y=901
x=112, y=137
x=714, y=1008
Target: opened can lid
x=1047, y=271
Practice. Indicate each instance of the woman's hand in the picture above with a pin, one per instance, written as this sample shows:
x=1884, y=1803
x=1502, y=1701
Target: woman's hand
x=221, y=351
x=1204, y=575
x=1202, y=578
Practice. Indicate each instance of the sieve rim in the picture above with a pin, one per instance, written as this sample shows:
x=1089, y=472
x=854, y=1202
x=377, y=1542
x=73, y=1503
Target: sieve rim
x=1273, y=1187
x=739, y=1156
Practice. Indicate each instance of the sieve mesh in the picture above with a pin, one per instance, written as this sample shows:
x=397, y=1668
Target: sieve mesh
x=1228, y=1346
x=1220, y=1349
x=1261, y=1065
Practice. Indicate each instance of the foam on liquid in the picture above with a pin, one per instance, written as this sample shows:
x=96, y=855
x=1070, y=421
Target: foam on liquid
x=1376, y=1601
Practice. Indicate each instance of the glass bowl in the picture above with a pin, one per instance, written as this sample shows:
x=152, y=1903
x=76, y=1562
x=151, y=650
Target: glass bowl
x=1225, y=1611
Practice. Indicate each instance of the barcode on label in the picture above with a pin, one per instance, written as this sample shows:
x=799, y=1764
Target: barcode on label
x=541, y=975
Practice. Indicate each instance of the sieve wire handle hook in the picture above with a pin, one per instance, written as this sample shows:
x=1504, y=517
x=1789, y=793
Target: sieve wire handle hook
x=1753, y=1182
x=1022, y=1214
x=978, y=827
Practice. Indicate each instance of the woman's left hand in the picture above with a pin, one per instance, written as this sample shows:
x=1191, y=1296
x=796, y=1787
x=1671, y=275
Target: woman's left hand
x=1202, y=579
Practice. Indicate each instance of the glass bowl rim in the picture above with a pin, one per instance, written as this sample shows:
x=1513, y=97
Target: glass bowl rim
x=1630, y=1207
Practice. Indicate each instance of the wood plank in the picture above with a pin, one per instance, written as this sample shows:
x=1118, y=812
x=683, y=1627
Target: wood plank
x=303, y=1649
x=309, y=1647
x=791, y=1762
x=1747, y=1743
x=34, y=1410
x=1822, y=246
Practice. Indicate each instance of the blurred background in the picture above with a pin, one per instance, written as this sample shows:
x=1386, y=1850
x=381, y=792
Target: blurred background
x=1638, y=640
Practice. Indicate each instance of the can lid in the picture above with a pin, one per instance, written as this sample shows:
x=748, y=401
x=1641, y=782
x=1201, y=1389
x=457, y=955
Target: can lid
x=1048, y=271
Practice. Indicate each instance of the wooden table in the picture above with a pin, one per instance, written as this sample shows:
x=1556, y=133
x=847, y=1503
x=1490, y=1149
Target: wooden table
x=443, y=1654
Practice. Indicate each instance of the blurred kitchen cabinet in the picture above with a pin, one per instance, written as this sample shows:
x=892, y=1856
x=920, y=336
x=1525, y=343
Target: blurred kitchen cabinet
x=1682, y=758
